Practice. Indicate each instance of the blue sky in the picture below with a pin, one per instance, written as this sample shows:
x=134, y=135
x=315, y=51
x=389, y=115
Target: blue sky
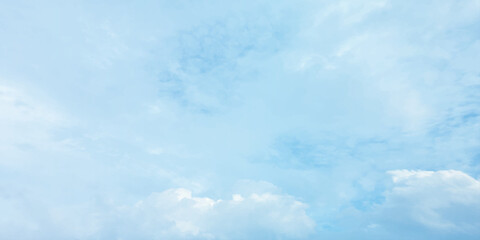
x=240, y=119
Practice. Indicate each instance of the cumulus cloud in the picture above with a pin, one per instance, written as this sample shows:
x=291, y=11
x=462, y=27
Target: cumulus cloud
x=446, y=200
x=175, y=213
x=319, y=98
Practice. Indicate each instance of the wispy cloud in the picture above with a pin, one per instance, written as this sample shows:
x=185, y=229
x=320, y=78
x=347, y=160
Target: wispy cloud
x=103, y=105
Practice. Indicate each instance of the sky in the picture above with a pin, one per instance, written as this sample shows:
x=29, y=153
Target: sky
x=239, y=120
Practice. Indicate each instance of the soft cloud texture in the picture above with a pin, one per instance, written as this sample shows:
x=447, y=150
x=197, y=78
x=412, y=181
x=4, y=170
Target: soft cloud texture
x=174, y=213
x=109, y=109
x=444, y=200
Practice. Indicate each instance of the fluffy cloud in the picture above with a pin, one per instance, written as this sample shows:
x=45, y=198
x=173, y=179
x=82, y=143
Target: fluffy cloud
x=319, y=98
x=439, y=200
x=175, y=213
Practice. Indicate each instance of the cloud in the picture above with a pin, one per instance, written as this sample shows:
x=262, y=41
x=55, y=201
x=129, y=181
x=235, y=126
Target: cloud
x=318, y=98
x=175, y=213
x=447, y=200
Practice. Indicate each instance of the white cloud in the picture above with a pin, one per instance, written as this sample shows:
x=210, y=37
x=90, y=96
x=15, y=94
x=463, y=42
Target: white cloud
x=175, y=213
x=319, y=98
x=443, y=200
